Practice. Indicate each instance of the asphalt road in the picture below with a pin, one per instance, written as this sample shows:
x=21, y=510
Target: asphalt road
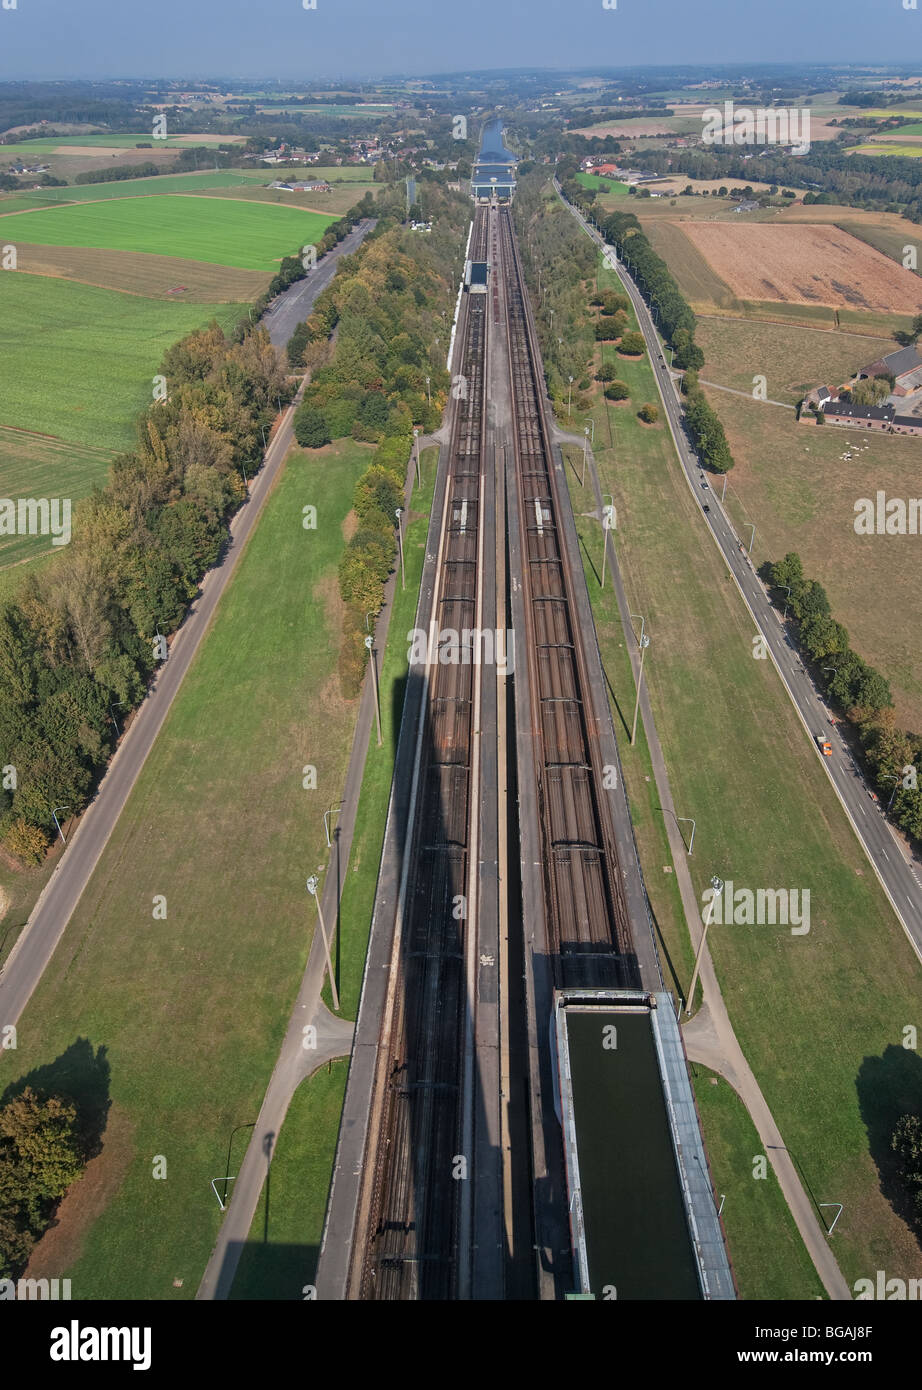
x=899, y=873
x=45, y=927
x=293, y=306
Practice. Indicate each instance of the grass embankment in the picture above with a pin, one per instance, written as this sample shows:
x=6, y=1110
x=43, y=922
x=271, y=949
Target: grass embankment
x=768, y=1255
x=819, y=1016
x=281, y=1251
x=280, y=1257
x=178, y=1021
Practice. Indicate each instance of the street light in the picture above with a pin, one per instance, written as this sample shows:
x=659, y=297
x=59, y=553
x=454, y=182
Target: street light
x=428, y=392
x=416, y=450
x=582, y=481
x=644, y=644
x=751, y=538
x=897, y=779
x=688, y=820
x=569, y=396
x=787, y=601
x=717, y=885
x=326, y=821
x=119, y=704
x=312, y=889
x=398, y=512
x=607, y=515
x=57, y=822
x=369, y=643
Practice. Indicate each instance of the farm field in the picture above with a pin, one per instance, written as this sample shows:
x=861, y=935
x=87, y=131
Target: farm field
x=792, y=482
x=233, y=233
x=133, y=188
x=771, y=818
x=792, y=358
x=78, y=360
x=818, y=265
x=206, y=993
x=599, y=181
x=34, y=466
x=883, y=148
x=95, y=142
x=331, y=205
x=154, y=277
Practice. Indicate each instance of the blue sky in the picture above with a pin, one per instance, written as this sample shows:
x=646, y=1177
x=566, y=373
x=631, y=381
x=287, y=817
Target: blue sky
x=279, y=38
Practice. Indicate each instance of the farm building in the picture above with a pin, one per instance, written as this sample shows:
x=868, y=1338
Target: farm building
x=904, y=366
x=872, y=417
x=907, y=424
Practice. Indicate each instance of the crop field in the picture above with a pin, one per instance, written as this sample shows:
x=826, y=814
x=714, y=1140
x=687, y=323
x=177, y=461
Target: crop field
x=332, y=205
x=190, y=1011
x=603, y=184
x=882, y=148
x=233, y=233
x=31, y=465
x=103, y=141
x=78, y=361
x=133, y=188
x=697, y=278
x=820, y=265
x=796, y=485
x=154, y=277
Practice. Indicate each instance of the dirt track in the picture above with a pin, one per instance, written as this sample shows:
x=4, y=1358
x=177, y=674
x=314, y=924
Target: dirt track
x=805, y=265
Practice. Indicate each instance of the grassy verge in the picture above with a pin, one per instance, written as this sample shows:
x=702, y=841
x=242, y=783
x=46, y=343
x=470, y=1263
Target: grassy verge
x=362, y=874
x=171, y=1025
x=819, y=1016
x=768, y=1255
x=284, y=1242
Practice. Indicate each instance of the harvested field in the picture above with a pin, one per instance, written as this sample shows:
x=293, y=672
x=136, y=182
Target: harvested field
x=805, y=265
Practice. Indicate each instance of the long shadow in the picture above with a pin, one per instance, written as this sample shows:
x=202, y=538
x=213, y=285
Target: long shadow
x=888, y=1087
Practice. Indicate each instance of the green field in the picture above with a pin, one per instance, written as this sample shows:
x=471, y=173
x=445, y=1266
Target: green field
x=233, y=233
x=604, y=185
x=78, y=361
x=22, y=149
x=280, y=1257
x=32, y=466
x=133, y=188
x=818, y=1015
x=906, y=151
x=191, y=1010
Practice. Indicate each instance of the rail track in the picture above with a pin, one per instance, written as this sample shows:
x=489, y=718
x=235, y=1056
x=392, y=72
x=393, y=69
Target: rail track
x=588, y=926
x=409, y=1239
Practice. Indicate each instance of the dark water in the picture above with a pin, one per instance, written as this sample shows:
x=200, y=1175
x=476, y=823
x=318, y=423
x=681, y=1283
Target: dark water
x=636, y=1232
x=492, y=149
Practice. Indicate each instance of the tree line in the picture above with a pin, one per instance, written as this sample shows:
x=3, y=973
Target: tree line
x=390, y=304
x=893, y=756
x=80, y=639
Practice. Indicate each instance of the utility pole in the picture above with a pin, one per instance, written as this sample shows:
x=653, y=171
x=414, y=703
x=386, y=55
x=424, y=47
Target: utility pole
x=607, y=514
x=403, y=577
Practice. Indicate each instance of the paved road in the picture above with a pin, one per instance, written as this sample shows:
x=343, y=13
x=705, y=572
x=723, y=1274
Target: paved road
x=898, y=870
x=45, y=927
x=293, y=306
x=709, y=1037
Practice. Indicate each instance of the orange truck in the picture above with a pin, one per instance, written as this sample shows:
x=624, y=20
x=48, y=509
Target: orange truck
x=824, y=745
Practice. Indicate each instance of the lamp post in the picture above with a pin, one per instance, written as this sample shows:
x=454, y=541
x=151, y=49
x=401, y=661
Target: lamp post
x=312, y=889
x=717, y=885
x=687, y=820
x=787, y=601
x=582, y=481
x=644, y=644
x=569, y=396
x=897, y=779
x=58, y=823
x=403, y=577
x=428, y=392
x=117, y=705
x=369, y=643
x=327, y=816
x=607, y=514
x=416, y=450
x=751, y=538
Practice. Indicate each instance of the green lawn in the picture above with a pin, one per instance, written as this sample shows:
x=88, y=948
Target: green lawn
x=280, y=1257
x=252, y=236
x=819, y=1015
x=768, y=1256
x=78, y=361
x=182, y=1018
x=601, y=183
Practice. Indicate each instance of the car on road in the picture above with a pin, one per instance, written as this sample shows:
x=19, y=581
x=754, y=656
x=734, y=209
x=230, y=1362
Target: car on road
x=707, y=507
x=704, y=484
